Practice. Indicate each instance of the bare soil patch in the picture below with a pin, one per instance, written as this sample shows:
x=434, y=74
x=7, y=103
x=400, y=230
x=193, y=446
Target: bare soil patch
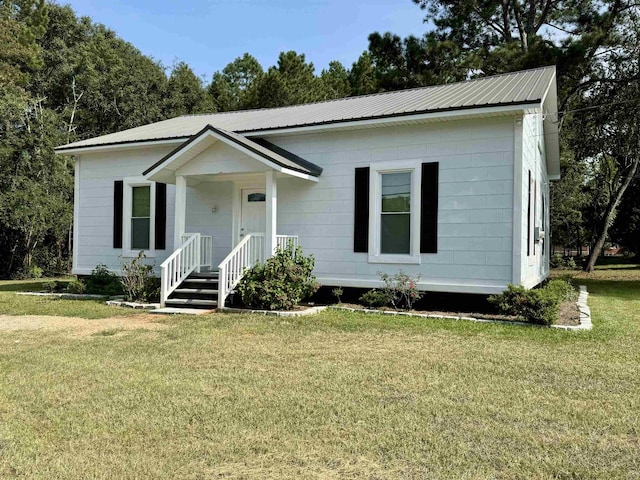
x=79, y=327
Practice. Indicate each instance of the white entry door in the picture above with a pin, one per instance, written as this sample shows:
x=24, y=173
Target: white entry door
x=253, y=214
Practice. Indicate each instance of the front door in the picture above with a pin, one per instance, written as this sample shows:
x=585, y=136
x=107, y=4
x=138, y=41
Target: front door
x=253, y=214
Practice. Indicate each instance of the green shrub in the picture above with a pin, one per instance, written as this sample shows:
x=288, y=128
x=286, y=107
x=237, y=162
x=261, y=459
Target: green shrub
x=400, y=289
x=281, y=283
x=103, y=282
x=53, y=286
x=35, y=272
x=563, y=263
x=538, y=305
x=337, y=292
x=561, y=289
x=375, y=298
x=137, y=279
x=76, y=286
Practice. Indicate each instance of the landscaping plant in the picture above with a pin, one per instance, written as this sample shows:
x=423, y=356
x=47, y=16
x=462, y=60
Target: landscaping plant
x=375, y=298
x=280, y=283
x=536, y=305
x=137, y=279
x=102, y=282
x=401, y=289
x=337, y=292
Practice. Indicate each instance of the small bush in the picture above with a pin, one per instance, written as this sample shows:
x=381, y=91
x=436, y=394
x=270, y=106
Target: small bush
x=561, y=289
x=76, y=286
x=337, y=292
x=401, y=289
x=562, y=263
x=538, y=305
x=35, y=272
x=102, y=282
x=53, y=286
x=281, y=283
x=137, y=279
x=375, y=298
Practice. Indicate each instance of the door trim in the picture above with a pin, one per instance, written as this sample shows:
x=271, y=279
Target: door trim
x=238, y=186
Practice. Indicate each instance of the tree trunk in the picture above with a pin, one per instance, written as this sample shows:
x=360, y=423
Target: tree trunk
x=609, y=217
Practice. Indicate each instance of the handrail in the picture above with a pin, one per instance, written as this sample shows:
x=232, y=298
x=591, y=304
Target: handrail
x=179, y=265
x=248, y=252
x=206, y=248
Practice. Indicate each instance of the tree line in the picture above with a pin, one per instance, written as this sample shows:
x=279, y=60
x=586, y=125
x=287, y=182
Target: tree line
x=65, y=78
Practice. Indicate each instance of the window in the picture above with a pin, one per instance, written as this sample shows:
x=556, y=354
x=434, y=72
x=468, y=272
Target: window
x=394, y=206
x=256, y=197
x=139, y=220
x=140, y=217
x=395, y=221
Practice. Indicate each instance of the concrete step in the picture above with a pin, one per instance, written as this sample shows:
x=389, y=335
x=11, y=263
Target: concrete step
x=180, y=311
x=191, y=302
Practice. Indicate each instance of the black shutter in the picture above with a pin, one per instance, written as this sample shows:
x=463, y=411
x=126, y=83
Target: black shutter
x=118, y=190
x=361, y=216
x=161, y=216
x=429, y=208
x=529, y=217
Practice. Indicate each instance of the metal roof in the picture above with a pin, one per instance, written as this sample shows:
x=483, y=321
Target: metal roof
x=517, y=88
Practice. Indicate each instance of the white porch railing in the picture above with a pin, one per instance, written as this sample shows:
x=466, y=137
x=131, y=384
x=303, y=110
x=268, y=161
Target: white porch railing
x=247, y=253
x=180, y=264
x=206, y=248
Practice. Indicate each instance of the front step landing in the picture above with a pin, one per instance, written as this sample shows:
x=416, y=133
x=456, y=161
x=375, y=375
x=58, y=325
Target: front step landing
x=180, y=311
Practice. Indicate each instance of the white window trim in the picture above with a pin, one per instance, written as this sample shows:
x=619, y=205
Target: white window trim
x=127, y=197
x=375, y=211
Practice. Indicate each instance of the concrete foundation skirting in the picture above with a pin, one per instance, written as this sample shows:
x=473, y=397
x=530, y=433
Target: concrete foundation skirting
x=585, y=315
x=277, y=313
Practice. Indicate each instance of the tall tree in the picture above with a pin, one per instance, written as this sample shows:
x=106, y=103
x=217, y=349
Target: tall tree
x=234, y=88
x=335, y=81
x=185, y=93
x=291, y=82
x=362, y=76
x=607, y=129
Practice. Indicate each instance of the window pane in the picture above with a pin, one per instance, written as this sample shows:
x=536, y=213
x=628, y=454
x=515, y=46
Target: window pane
x=396, y=192
x=140, y=233
x=395, y=233
x=141, y=202
x=256, y=197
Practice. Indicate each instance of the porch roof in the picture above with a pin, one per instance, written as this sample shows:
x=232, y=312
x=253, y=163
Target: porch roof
x=273, y=156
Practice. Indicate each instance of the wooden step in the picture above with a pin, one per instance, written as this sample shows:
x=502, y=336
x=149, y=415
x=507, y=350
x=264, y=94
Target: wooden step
x=191, y=302
x=204, y=275
x=196, y=291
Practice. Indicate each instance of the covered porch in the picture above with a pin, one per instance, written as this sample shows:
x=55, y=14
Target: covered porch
x=226, y=204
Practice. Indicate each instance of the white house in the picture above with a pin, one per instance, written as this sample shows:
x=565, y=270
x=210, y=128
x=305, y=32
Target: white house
x=450, y=182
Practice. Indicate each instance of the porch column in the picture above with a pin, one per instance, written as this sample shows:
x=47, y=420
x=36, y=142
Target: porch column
x=180, y=210
x=272, y=210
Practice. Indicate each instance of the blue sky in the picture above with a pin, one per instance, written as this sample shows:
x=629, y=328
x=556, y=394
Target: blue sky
x=209, y=34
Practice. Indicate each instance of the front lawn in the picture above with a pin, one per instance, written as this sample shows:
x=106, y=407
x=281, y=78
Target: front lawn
x=337, y=395
x=12, y=304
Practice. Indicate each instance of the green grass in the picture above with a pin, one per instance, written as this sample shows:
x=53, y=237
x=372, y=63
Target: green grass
x=12, y=304
x=338, y=395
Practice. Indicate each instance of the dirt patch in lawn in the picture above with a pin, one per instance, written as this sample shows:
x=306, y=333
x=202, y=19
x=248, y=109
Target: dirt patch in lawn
x=80, y=327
